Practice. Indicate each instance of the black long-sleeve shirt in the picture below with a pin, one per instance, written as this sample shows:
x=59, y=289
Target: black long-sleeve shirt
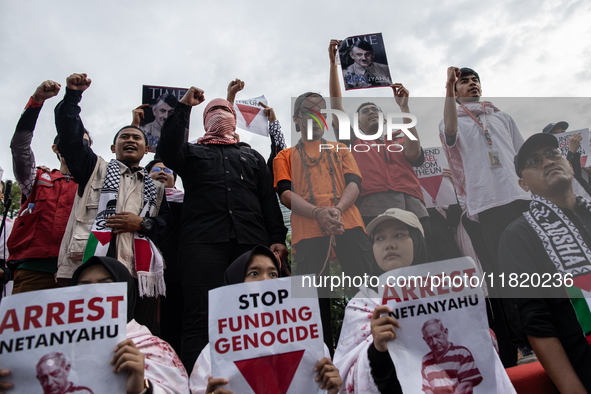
x=228, y=190
x=81, y=159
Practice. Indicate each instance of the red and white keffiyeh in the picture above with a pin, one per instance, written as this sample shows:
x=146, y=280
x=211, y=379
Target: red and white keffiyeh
x=219, y=123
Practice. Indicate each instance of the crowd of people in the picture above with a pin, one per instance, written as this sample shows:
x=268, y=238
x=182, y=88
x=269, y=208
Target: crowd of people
x=97, y=220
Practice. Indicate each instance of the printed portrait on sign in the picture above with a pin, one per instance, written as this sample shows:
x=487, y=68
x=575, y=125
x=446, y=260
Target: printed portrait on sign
x=53, y=370
x=162, y=101
x=364, y=63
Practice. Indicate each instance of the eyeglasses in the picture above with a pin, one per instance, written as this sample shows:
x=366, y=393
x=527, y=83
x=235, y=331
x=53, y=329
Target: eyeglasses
x=535, y=161
x=158, y=169
x=367, y=110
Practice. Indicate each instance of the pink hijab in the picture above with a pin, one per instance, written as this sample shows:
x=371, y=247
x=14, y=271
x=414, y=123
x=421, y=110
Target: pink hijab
x=219, y=124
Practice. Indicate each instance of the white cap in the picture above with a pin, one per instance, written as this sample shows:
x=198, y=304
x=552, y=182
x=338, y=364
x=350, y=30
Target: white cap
x=405, y=217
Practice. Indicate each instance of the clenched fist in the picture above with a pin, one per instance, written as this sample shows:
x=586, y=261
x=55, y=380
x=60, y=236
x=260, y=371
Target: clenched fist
x=78, y=82
x=46, y=90
x=193, y=97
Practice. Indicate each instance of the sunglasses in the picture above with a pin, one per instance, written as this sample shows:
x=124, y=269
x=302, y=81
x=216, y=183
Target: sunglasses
x=158, y=169
x=536, y=160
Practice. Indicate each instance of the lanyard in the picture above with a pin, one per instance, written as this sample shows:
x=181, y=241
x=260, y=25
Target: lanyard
x=486, y=133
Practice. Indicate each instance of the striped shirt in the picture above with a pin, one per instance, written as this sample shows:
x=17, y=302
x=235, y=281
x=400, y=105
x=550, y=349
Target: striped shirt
x=454, y=367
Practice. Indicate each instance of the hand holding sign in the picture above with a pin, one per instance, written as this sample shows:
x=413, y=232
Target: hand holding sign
x=333, y=48
x=269, y=113
x=128, y=358
x=4, y=385
x=401, y=94
x=382, y=328
x=574, y=142
x=193, y=97
x=329, y=376
x=137, y=115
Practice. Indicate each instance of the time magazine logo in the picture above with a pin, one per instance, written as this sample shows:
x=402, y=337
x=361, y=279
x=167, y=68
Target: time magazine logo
x=345, y=127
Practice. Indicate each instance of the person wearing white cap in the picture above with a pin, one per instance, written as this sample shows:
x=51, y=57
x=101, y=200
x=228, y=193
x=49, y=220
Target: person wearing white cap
x=362, y=353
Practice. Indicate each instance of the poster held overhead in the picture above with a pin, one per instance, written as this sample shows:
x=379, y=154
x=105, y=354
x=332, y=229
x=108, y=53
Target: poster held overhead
x=162, y=101
x=261, y=326
x=250, y=115
x=583, y=147
x=363, y=62
x=62, y=340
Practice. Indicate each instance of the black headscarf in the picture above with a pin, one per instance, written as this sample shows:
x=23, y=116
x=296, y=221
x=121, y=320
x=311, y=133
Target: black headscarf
x=419, y=249
x=237, y=270
x=119, y=273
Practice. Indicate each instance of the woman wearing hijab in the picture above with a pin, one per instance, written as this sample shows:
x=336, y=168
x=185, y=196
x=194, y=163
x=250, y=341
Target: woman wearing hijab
x=229, y=207
x=255, y=265
x=152, y=365
x=362, y=353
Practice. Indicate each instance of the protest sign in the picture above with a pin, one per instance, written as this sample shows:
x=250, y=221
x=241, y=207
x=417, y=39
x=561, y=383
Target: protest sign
x=443, y=340
x=363, y=62
x=438, y=190
x=62, y=340
x=263, y=339
x=250, y=116
x=162, y=101
x=583, y=148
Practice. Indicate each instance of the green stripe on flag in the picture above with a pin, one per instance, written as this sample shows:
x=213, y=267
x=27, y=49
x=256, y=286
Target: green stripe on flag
x=581, y=306
x=90, y=247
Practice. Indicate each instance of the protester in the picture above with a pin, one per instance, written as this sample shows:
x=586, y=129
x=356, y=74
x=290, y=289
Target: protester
x=171, y=306
x=362, y=353
x=320, y=187
x=229, y=206
x=47, y=198
x=581, y=186
x=552, y=323
x=151, y=364
x=256, y=265
x=5, y=273
x=480, y=142
x=386, y=165
x=118, y=210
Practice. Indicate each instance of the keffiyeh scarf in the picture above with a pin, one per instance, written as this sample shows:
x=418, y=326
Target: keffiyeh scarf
x=219, y=124
x=149, y=264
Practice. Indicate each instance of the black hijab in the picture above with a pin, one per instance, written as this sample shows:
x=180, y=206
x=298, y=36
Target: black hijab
x=236, y=272
x=119, y=273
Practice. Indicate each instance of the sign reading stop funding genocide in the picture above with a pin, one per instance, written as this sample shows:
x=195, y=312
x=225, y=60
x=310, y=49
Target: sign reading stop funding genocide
x=443, y=342
x=583, y=148
x=438, y=190
x=62, y=340
x=264, y=340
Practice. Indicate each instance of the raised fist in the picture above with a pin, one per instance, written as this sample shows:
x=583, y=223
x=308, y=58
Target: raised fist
x=453, y=74
x=46, y=90
x=78, y=82
x=235, y=86
x=193, y=97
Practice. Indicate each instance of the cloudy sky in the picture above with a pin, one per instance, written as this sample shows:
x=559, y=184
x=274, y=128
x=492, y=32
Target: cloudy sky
x=522, y=48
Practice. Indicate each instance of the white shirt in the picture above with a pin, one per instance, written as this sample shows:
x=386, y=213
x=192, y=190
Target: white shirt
x=487, y=187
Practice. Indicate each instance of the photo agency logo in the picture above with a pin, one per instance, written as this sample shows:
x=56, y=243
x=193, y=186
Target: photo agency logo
x=393, y=123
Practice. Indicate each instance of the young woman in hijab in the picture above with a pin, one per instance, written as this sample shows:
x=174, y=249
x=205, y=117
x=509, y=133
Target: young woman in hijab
x=152, y=365
x=255, y=265
x=362, y=353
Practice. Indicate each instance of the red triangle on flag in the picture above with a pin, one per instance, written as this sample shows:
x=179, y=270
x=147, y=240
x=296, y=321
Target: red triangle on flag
x=104, y=237
x=432, y=185
x=583, y=282
x=270, y=374
x=248, y=112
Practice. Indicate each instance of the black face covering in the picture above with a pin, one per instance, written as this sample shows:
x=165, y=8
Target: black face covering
x=237, y=270
x=119, y=273
x=419, y=249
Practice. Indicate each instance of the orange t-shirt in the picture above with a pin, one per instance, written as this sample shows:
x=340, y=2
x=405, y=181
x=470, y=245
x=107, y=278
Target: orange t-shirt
x=288, y=166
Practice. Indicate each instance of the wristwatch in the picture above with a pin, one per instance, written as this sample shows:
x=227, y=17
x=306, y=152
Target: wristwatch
x=147, y=225
x=148, y=389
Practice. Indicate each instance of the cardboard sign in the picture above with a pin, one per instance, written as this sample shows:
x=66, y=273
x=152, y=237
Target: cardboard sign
x=162, y=101
x=62, y=340
x=438, y=190
x=260, y=326
x=583, y=148
x=250, y=116
x=363, y=62
x=443, y=340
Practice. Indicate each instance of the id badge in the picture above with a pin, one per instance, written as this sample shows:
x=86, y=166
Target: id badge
x=494, y=158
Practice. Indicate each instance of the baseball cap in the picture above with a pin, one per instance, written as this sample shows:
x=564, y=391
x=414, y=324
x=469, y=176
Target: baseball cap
x=405, y=217
x=532, y=143
x=562, y=124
